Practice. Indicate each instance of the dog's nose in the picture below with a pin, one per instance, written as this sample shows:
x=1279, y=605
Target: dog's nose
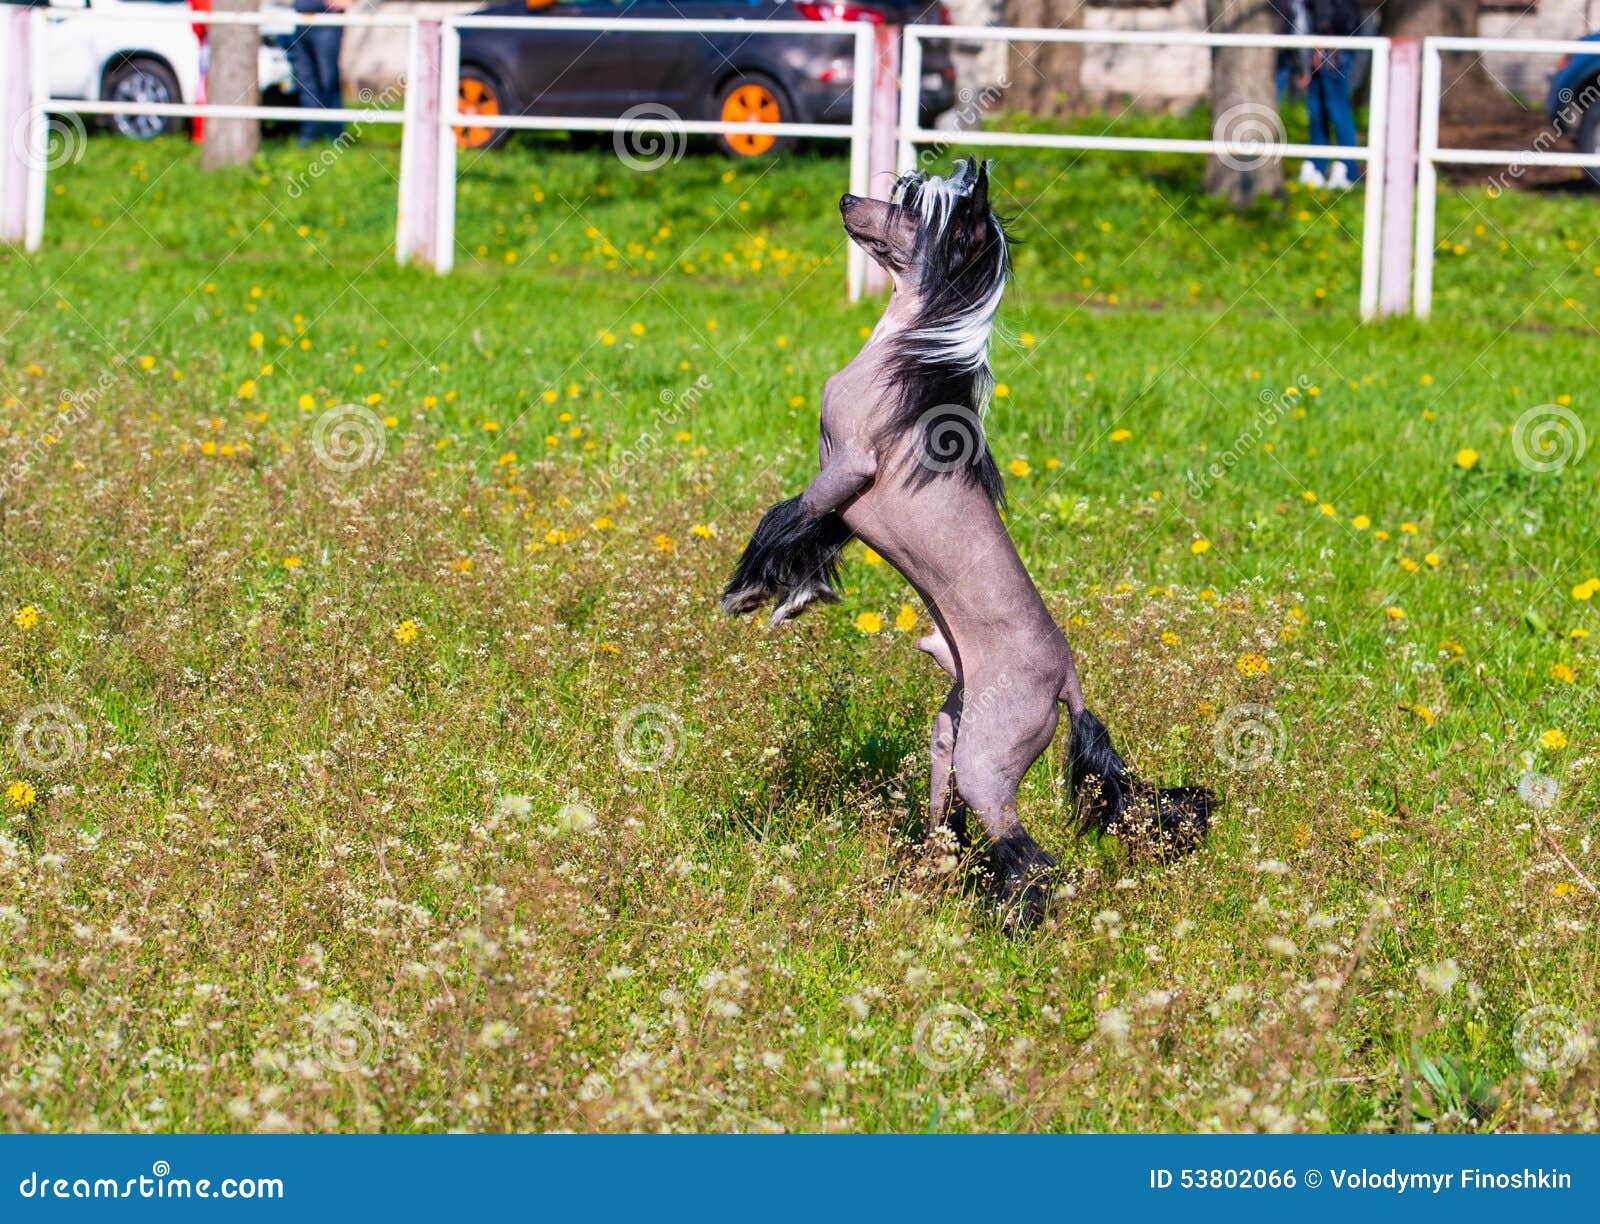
x=846, y=200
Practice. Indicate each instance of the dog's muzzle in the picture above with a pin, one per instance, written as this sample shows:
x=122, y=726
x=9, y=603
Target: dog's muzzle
x=846, y=200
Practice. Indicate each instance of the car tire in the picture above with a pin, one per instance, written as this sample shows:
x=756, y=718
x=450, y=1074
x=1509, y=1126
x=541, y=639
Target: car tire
x=479, y=92
x=1589, y=139
x=141, y=80
x=752, y=97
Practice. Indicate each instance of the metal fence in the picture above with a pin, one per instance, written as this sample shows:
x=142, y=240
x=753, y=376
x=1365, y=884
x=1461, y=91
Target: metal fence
x=1401, y=154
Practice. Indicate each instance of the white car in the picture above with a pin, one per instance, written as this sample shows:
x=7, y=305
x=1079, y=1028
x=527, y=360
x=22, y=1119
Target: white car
x=112, y=55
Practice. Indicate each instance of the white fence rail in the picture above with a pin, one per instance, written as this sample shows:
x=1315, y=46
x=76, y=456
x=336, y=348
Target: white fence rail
x=1401, y=154
x=1430, y=156
x=1252, y=148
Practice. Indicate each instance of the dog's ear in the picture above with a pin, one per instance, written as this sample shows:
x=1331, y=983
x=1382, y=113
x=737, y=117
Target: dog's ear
x=980, y=190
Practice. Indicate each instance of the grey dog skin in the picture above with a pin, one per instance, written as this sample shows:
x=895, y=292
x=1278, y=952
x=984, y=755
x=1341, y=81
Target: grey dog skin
x=994, y=635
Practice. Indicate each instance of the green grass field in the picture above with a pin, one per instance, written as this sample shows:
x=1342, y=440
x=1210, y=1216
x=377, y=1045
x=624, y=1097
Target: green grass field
x=376, y=757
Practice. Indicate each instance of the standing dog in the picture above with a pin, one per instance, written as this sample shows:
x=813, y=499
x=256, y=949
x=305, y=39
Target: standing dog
x=906, y=468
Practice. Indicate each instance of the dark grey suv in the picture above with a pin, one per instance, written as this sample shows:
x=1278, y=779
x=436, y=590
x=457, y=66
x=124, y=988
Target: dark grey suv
x=773, y=78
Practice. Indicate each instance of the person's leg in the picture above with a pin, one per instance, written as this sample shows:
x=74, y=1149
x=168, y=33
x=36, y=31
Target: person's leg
x=1337, y=106
x=329, y=41
x=303, y=63
x=1317, y=116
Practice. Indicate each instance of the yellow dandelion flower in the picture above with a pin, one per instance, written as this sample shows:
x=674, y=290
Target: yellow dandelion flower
x=1253, y=665
x=664, y=543
x=1001, y=391
x=1553, y=739
x=26, y=617
x=869, y=622
x=905, y=620
x=1361, y=522
x=1121, y=435
x=1395, y=614
x=1586, y=590
x=462, y=565
x=1466, y=457
x=291, y=563
x=405, y=632
x=1424, y=713
x=1019, y=467
x=20, y=795
x=870, y=557
x=1563, y=673
x=1199, y=546
x=703, y=530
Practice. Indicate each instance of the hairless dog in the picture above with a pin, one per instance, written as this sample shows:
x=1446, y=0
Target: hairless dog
x=906, y=468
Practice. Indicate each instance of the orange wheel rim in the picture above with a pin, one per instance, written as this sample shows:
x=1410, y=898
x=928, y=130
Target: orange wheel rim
x=751, y=104
x=474, y=97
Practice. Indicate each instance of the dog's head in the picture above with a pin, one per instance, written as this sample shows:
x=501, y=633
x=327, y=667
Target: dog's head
x=932, y=228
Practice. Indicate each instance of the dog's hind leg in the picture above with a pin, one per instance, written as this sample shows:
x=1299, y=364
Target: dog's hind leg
x=1000, y=738
x=945, y=807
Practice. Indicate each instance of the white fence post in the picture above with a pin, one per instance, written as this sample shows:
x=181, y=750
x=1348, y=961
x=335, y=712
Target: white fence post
x=1427, y=181
x=444, y=209
x=24, y=129
x=860, y=151
x=1376, y=193
x=416, y=230
x=1400, y=175
x=885, y=102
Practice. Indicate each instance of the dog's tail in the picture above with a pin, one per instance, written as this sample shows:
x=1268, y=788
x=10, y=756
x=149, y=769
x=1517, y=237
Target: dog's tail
x=1112, y=800
x=792, y=558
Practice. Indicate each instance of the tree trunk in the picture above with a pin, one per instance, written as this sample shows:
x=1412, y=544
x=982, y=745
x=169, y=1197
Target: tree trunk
x=1045, y=79
x=1244, y=105
x=232, y=79
x=1467, y=90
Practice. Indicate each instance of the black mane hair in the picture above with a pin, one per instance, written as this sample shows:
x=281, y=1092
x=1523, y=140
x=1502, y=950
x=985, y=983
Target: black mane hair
x=939, y=367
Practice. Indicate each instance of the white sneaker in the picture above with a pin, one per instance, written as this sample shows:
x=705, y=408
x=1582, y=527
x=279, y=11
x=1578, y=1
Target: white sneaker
x=1311, y=176
x=1339, y=178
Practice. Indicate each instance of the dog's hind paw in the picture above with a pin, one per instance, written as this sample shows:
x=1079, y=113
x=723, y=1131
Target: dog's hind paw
x=1024, y=877
x=745, y=599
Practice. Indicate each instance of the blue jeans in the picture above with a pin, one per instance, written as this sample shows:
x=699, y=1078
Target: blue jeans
x=314, y=57
x=1328, y=108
